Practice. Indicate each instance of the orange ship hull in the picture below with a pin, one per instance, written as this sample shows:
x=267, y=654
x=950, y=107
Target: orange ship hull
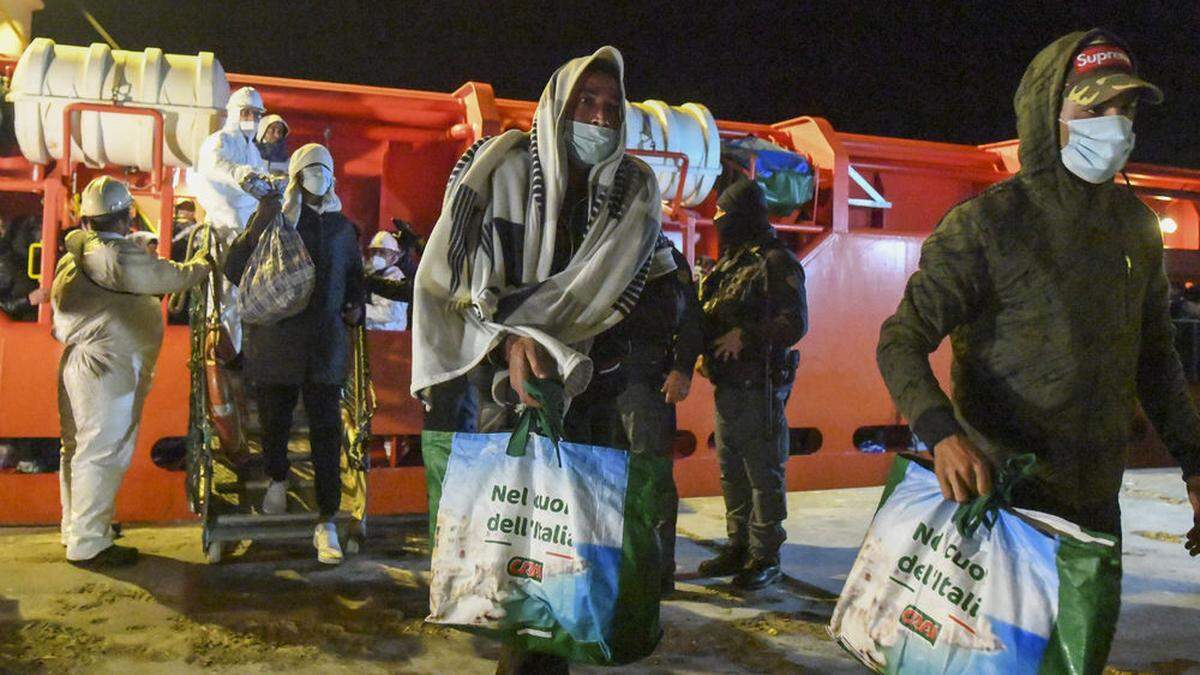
x=395, y=149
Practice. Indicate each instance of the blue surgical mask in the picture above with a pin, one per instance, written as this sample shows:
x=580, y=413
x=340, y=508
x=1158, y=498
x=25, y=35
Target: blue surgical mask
x=591, y=144
x=1098, y=147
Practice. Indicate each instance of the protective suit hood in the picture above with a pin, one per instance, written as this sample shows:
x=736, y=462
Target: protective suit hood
x=307, y=155
x=246, y=97
x=1038, y=104
x=266, y=122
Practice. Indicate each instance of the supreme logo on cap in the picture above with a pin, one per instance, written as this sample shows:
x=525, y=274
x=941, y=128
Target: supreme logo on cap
x=1102, y=56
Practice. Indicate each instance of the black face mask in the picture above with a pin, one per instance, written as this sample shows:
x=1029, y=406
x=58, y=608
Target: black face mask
x=727, y=228
x=265, y=149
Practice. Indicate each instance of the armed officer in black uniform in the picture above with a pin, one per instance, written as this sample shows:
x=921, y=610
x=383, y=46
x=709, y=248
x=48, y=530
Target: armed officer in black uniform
x=754, y=312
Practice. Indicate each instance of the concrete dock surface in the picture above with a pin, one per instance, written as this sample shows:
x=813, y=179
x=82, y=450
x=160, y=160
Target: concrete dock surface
x=269, y=608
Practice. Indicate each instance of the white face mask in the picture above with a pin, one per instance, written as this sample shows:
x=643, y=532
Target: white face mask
x=316, y=179
x=378, y=262
x=248, y=127
x=591, y=144
x=1098, y=147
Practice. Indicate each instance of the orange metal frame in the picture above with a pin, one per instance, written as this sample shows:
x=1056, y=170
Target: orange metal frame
x=395, y=148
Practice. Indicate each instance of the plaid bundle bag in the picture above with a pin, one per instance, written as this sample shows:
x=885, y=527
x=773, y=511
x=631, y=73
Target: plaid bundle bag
x=279, y=277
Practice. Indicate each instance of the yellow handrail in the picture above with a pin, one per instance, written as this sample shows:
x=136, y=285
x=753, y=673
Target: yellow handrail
x=36, y=276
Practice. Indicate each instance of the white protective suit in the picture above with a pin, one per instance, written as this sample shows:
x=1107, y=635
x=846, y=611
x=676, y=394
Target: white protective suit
x=382, y=313
x=226, y=159
x=112, y=336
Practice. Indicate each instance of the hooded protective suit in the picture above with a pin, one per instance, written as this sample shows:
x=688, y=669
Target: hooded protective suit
x=1053, y=293
x=489, y=267
x=227, y=157
x=384, y=313
x=107, y=316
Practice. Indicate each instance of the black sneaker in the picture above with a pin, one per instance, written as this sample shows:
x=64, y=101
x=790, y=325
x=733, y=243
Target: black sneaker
x=760, y=573
x=729, y=560
x=113, y=556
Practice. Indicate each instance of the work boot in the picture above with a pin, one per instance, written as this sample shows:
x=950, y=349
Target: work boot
x=325, y=539
x=113, y=556
x=275, y=500
x=729, y=560
x=759, y=573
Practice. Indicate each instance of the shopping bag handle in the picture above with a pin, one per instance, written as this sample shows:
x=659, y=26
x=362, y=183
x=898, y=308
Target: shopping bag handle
x=546, y=420
x=985, y=509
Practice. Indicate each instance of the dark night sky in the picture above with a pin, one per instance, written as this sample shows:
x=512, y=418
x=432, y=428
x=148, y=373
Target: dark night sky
x=931, y=70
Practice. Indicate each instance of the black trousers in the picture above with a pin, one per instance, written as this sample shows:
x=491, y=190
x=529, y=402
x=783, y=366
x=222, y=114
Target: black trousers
x=648, y=422
x=276, y=404
x=752, y=448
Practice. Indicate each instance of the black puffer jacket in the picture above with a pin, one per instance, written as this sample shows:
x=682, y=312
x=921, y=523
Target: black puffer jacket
x=15, y=284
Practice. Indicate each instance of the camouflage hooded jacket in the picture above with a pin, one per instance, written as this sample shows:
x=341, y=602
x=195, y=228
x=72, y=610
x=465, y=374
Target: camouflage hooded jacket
x=1053, y=293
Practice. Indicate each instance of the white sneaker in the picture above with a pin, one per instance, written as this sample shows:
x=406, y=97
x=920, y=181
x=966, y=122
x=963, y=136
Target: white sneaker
x=325, y=539
x=275, y=501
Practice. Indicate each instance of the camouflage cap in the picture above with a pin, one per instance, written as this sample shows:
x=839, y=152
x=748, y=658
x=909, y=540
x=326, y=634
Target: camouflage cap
x=1102, y=70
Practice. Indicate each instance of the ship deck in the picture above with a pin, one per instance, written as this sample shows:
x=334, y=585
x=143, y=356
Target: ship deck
x=268, y=608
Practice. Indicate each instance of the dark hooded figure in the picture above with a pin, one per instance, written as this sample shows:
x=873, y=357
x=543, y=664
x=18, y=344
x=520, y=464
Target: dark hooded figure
x=755, y=309
x=15, y=285
x=1052, y=290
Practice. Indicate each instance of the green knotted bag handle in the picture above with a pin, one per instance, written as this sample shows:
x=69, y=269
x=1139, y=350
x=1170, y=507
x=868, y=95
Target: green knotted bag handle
x=985, y=510
x=546, y=420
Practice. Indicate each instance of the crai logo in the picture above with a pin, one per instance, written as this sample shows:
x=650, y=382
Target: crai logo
x=525, y=568
x=920, y=623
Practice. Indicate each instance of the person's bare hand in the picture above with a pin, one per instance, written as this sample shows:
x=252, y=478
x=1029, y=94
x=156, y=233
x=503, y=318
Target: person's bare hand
x=38, y=295
x=525, y=357
x=677, y=386
x=961, y=469
x=729, y=345
x=1192, y=544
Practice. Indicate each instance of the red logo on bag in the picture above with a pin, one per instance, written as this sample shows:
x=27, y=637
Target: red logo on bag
x=525, y=568
x=920, y=623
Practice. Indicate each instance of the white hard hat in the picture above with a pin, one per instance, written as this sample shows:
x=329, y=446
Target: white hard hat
x=246, y=97
x=385, y=240
x=103, y=196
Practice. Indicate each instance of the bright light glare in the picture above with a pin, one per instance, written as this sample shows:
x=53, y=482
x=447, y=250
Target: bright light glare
x=1168, y=225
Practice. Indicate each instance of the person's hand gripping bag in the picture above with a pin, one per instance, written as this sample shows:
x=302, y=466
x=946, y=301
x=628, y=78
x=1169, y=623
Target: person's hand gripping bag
x=545, y=544
x=978, y=588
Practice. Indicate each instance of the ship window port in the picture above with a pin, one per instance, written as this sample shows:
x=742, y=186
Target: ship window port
x=29, y=455
x=801, y=441
x=886, y=438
